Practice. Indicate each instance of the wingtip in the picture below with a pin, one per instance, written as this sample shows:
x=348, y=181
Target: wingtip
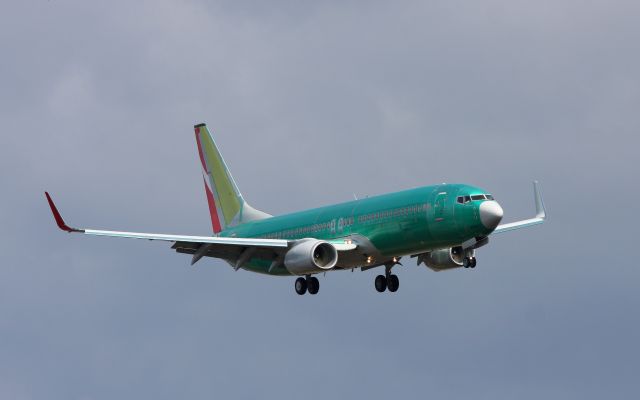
x=56, y=215
x=541, y=211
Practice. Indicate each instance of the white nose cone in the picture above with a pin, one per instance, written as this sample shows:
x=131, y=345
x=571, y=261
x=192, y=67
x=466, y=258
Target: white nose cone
x=490, y=214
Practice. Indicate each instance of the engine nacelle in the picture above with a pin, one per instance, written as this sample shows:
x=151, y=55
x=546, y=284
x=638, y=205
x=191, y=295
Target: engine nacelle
x=439, y=260
x=310, y=256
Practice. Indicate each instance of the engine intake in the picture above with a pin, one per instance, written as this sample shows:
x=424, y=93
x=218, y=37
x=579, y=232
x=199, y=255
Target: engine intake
x=439, y=260
x=310, y=256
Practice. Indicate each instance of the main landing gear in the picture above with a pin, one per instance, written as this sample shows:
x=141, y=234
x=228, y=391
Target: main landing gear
x=469, y=262
x=387, y=281
x=308, y=283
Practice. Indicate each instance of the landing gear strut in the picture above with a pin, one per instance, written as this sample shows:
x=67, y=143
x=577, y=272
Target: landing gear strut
x=387, y=281
x=309, y=283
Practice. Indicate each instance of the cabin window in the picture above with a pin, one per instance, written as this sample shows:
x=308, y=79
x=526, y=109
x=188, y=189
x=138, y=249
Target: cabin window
x=460, y=199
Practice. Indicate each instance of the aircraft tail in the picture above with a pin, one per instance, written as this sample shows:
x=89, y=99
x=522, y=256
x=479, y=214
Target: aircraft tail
x=226, y=204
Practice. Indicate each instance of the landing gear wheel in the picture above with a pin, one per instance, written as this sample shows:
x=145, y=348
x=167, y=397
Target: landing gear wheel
x=381, y=283
x=473, y=262
x=466, y=262
x=313, y=285
x=393, y=283
x=301, y=286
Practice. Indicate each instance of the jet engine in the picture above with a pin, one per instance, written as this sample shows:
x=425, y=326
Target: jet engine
x=310, y=256
x=439, y=260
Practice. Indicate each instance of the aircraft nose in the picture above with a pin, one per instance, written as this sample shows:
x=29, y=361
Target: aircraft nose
x=490, y=214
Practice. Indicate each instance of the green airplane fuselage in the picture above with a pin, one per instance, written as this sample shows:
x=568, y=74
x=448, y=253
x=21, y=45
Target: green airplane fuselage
x=396, y=224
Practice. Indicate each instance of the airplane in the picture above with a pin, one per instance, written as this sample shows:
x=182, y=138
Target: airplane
x=441, y=226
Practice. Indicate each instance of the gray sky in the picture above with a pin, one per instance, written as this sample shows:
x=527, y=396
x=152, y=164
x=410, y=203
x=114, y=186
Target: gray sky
x=311, y=102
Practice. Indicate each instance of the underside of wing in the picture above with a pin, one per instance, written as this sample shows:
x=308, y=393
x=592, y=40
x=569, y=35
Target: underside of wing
x=231, y=253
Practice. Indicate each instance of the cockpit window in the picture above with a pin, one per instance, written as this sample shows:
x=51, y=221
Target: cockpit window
x=463, y=199
x=466, y=199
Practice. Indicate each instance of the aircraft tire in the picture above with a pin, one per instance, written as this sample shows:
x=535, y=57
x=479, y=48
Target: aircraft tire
x=393, y=283
x=313, y=285
x=473, y=262
x=301, y=286
x=381, y=283
x=466, y=262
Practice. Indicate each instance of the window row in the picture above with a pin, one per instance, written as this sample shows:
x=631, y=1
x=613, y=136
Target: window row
x=398, y=212
x=304, y=230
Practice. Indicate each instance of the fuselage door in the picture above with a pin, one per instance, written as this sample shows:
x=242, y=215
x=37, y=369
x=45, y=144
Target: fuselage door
x=439, y=206
x=441, y=223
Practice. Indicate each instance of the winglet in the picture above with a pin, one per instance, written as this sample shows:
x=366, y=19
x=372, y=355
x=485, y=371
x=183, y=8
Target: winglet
x=541, y=212
x=58, y=217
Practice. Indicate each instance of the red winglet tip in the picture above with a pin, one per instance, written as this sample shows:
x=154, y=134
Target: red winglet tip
x=58, y=217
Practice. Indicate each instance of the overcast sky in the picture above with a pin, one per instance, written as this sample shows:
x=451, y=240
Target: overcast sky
x=310, y=103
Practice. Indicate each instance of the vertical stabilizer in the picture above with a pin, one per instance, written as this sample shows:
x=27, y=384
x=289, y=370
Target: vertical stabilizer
x=226, y=204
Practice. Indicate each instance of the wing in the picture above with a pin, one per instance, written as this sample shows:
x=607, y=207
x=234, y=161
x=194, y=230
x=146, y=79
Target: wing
x=541, y=214
x=199, y=246
x=235, y=250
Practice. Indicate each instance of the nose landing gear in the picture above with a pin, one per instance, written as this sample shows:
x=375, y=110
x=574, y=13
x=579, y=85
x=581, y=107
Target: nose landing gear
x=469, y=262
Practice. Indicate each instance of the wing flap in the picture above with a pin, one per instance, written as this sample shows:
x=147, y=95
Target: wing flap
x=223, y=251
